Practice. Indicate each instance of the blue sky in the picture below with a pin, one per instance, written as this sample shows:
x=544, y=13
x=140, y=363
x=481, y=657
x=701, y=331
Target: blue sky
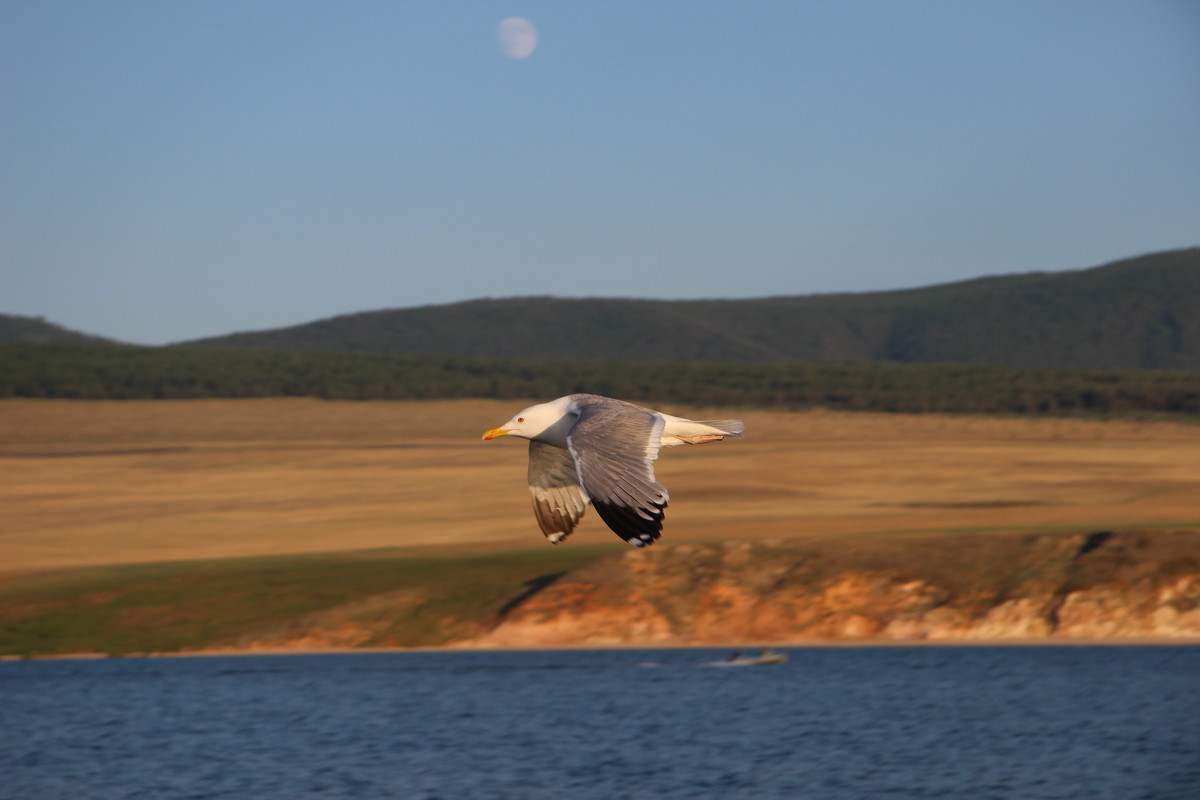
x=171, y=170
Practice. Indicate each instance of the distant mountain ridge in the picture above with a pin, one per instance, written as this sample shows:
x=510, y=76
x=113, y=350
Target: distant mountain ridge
x=36, y=330
x=1138, y=313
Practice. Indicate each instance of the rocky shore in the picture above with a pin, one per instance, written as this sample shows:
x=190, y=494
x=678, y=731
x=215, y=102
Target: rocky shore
x=1118, y=586
x=1101, y=585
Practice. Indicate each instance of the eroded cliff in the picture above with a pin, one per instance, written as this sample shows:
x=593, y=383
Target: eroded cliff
x=935, y=587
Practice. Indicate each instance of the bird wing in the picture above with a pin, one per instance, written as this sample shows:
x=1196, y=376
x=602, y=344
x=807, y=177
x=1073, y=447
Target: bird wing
x=615, y=444
x=558, y=499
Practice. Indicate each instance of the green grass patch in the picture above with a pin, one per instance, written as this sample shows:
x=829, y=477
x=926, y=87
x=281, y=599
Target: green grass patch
x=399, y=598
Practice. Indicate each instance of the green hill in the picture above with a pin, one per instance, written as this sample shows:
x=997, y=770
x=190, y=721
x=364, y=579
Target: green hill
x=35, y=330
x=1139, y=313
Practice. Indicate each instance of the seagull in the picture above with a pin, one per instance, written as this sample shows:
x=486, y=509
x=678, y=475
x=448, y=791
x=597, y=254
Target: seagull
x=584, y=448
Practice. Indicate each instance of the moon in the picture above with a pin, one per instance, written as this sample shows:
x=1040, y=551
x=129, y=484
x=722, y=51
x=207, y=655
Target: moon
x=517, y=38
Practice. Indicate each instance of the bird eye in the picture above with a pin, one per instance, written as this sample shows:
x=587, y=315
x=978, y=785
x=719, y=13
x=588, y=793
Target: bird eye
x=520, y=419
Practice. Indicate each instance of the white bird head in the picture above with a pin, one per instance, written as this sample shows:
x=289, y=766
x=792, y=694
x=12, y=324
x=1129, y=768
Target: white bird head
x=532, y=422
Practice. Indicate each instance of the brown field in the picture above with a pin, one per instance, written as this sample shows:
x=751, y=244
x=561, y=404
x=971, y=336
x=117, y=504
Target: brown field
x=86, y=483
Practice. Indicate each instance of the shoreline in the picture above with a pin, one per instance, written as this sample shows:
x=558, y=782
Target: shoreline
x=1155, y=641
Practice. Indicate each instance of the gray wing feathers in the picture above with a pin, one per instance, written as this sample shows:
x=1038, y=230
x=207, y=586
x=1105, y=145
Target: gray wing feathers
x=614, y=444
x=558, y=499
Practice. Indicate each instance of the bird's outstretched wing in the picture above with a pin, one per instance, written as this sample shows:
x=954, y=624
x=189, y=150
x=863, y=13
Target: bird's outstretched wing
x=614, y=444
x=558, y=499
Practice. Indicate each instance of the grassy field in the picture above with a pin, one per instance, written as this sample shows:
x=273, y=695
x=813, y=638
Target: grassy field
x=387, y=597
x=103, y=483
x=150, y=526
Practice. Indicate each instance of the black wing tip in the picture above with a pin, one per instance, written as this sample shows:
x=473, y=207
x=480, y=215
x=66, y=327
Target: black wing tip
x=643, y=540
x=631, y=526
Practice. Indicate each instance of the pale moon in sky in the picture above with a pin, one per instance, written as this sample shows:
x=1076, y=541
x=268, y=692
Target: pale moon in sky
x=517, y=37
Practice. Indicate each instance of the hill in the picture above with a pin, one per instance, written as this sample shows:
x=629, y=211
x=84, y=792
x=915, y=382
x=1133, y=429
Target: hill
x=17, y=329
x=1139, y=313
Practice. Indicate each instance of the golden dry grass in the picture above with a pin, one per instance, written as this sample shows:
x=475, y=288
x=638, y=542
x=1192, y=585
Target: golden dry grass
x=86, y=483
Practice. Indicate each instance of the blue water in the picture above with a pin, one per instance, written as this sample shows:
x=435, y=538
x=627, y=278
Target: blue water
x=951, y=722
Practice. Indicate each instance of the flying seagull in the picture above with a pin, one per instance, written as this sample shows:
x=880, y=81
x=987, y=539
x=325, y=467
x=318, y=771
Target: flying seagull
x=584, y=448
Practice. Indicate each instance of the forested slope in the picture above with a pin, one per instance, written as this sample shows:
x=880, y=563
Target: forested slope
x=109, y=372
x=1140, y=313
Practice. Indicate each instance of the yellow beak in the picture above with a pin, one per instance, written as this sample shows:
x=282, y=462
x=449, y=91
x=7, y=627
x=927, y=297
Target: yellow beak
x=494, y=432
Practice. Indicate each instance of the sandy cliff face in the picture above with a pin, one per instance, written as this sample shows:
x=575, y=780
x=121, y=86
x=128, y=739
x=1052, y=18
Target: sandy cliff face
x=1125, y=584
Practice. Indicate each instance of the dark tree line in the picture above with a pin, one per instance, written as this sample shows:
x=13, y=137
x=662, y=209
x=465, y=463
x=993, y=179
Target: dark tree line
x=103, y=372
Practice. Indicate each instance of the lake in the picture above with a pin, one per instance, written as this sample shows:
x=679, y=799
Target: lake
x=841, y=722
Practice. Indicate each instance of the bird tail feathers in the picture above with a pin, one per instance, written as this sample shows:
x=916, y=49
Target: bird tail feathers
x=687, y=431
x=725, y=427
